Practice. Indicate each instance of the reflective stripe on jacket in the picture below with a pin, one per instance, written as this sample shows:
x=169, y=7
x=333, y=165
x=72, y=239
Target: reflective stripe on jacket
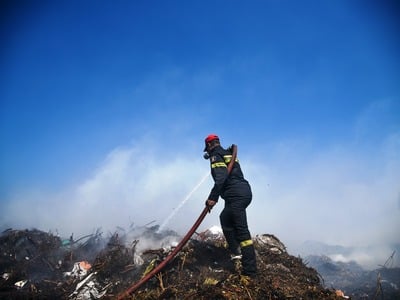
x=224, y=185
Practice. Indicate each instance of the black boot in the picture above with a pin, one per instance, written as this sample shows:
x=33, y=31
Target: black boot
x=249, y=261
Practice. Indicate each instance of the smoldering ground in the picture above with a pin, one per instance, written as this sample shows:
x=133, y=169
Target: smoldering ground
x=335, y=196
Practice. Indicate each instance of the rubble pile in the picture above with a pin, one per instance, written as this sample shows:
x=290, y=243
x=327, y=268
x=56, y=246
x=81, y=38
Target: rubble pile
x=39, y=265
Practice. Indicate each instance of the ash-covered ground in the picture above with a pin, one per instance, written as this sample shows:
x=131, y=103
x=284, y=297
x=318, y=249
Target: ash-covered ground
x=40, y=265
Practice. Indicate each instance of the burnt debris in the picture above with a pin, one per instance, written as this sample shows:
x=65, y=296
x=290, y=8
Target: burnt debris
x=40, y=265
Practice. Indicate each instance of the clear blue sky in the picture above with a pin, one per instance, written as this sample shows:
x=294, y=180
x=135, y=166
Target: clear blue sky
x=297, y=84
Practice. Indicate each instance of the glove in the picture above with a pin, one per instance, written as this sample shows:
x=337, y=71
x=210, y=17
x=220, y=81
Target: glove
x=210, y=204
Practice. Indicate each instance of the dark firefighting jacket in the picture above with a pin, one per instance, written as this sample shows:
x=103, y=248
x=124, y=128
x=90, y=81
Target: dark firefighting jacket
x=228, y=186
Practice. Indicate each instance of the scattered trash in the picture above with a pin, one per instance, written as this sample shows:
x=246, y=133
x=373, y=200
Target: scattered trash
x=80, y=270
x=95, y=267
x=6, y=276
x=86, y=290
x=90, y=291
x=20, y=284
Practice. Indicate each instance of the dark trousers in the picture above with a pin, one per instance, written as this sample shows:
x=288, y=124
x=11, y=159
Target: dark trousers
x=233, y=220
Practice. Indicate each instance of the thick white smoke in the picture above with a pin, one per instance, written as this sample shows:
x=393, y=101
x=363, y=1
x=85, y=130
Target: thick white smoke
x=335, y=196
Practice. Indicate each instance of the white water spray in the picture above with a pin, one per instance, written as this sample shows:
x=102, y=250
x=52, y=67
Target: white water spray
x=183, y=202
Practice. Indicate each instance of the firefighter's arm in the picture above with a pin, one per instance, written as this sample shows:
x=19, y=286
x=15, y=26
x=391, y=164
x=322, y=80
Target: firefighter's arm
x=219, y=173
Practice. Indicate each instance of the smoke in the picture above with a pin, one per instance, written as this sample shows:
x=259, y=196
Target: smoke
x=339, y=196
x=133, y=185
x=345, y=194
x=370, y=257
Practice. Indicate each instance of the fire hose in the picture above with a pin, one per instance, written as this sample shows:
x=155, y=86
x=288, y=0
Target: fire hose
x=182, y=243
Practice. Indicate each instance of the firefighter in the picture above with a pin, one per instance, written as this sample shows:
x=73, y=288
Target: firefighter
x=236, y=192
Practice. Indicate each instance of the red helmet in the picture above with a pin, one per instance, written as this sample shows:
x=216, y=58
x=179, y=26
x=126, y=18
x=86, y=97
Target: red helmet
x=209, y=139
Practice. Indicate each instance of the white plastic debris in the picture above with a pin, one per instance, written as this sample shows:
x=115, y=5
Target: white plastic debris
x=138, y=260
x=20, y=284
x=80, y=284
x=79, y=270
x=6, y=276
x=87, y=289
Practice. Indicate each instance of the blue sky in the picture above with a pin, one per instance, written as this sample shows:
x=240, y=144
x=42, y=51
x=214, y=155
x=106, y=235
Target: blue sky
x=105, y=105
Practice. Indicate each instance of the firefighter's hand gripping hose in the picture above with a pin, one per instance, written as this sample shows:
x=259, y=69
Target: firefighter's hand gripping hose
x=179, y=247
